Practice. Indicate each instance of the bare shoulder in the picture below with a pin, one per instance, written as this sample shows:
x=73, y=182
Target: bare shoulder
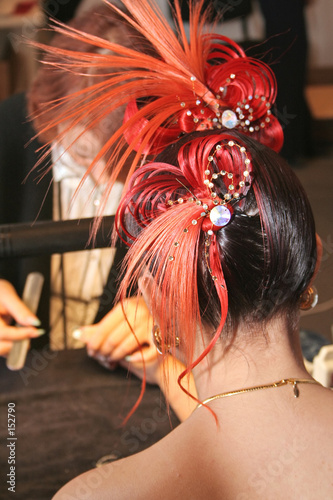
x=268, y=449
x=157, y=470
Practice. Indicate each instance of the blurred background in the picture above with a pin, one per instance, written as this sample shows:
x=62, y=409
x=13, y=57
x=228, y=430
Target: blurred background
x=294, y=37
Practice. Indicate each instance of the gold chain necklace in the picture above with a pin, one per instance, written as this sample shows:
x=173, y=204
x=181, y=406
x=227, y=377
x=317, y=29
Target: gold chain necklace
x=280, y=383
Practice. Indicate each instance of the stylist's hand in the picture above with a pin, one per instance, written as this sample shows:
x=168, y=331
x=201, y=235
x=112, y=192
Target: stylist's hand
x=111, y=339
x=12, y=308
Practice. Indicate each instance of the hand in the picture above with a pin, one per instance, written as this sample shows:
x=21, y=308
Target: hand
x=112, y=339
x=153, y=367
x=12, y=307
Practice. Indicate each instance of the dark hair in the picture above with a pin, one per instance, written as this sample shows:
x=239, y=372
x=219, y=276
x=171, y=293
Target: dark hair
x=267, y=251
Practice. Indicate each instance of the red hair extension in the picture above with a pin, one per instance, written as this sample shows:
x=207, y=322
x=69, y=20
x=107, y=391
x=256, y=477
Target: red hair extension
x=165, y=217
x=175, y=86
x=143, y=385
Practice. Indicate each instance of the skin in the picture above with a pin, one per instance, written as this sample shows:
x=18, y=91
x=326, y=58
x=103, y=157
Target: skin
x=112, y=339
x=12, y=308
x=262, y=445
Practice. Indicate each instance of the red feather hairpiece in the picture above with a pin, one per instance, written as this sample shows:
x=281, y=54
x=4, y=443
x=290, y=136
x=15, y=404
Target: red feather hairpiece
x=172, y=214
x=207, y=82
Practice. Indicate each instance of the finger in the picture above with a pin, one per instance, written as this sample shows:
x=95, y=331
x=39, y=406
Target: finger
x=149, y=354
x=13, y=333
x=116, y=315
x=125, y=348
x=3, y=321
x=113, y=328
x=105, y=362
x=85, y=333
x=93, y=336
x=135, y=311
x=135, y=368
x=16, y=307
x=115, y=339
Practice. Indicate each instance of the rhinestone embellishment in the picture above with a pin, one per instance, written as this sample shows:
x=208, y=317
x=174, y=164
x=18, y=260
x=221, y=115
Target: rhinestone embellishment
x=220, y=215
x=229, y=119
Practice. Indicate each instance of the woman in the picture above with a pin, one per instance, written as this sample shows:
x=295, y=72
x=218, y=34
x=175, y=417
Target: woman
x=223, y=248
x=223, y=266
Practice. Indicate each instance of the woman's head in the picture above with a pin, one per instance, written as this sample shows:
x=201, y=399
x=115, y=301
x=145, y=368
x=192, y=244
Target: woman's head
x=251, y=269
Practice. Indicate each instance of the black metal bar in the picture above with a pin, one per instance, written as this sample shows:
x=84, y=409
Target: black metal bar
x=49, y=237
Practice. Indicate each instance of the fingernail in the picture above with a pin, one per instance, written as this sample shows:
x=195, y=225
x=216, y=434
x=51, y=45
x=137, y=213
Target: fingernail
x=40, y=332
x=77, y=334
x=101, y=358
x=134, y=358
x=34, y=321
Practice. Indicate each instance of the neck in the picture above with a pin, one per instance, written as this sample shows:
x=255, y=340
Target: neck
x=251, y=360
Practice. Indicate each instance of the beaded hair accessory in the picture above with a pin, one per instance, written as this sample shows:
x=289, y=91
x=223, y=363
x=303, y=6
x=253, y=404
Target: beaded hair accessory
x=171, y=216
x=215, y=210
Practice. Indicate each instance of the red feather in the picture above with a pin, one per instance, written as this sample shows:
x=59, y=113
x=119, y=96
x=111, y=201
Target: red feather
x=178, y=90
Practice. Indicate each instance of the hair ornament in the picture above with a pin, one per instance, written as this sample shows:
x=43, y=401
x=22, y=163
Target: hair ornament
x=217, y=211
x=239, y=100
x=181, y=207
x=178, y=86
